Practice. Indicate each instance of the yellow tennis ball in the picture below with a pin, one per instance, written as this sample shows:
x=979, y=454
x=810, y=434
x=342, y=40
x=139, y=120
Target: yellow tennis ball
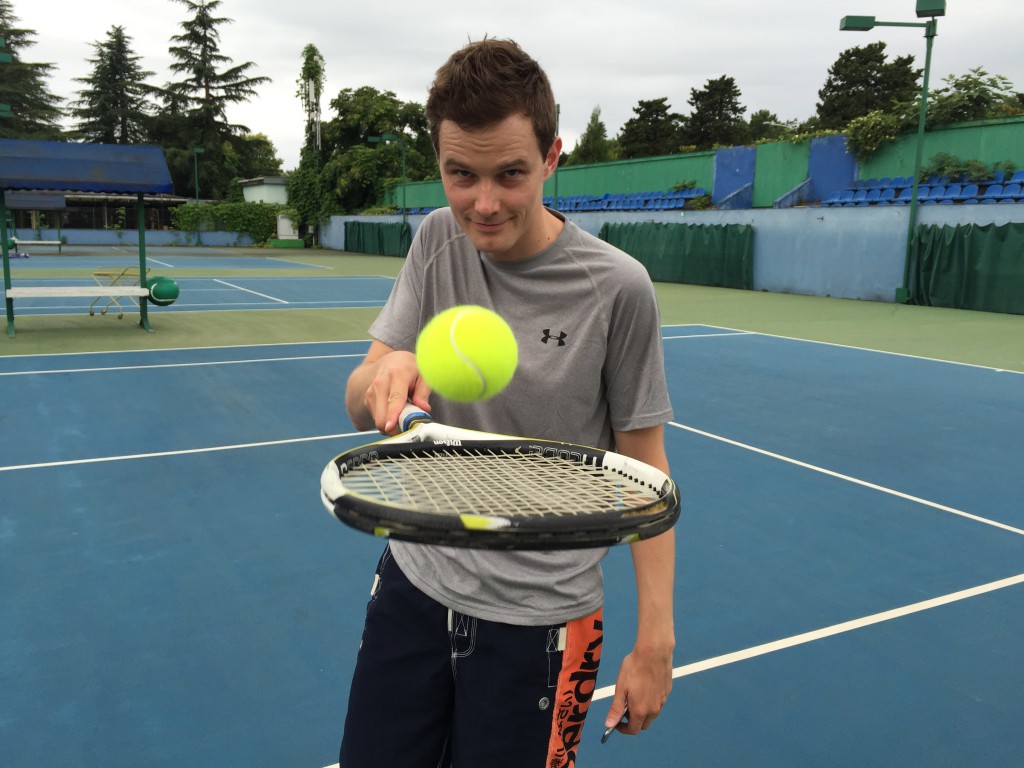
x=467, y=353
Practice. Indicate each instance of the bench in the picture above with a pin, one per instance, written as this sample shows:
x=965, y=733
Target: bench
x=98, y=292
x=111, y=284
x=18, y=242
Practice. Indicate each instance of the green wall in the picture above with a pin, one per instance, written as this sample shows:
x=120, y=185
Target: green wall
x=780, y=166
x=990, y=141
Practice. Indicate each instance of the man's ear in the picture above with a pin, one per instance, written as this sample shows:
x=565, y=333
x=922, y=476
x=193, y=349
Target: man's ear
x=551, y=159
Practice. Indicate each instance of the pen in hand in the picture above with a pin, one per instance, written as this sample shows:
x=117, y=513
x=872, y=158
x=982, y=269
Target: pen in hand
x=608, y=732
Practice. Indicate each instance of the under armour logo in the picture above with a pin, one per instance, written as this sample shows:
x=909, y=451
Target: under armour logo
x=560, y=338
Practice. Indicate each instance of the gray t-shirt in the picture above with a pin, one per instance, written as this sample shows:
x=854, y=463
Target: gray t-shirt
x=586, y=321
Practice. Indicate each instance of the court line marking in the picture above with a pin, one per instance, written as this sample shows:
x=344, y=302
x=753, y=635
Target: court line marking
x=181, y=365
x=181, y=452
x=188, y=349
x=247, y=290
x=297, y=263
x=854, y=347
x=850, y=479
x=710, y=335
x=835, y=629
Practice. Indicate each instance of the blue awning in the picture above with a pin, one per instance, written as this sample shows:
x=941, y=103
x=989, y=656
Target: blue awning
x=67, y=167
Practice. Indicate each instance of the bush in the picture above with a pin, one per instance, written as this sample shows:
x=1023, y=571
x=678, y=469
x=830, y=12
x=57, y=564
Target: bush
x=258, y=220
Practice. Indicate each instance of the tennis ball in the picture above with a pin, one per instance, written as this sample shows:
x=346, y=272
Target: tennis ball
x=467, y=353
x=163, y=291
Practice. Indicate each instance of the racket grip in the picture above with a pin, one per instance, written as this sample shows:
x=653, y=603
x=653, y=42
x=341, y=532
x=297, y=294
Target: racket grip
x=411, y=416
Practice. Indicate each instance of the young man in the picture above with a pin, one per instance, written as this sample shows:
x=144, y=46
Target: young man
x=475, y=658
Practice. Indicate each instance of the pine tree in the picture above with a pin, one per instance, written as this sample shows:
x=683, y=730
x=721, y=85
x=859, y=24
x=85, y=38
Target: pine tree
x=35, y=111
x=208, y=89
x=653, y=130
x=862, y=81
x=114, y=108
x=594, y=145
x=717, y=117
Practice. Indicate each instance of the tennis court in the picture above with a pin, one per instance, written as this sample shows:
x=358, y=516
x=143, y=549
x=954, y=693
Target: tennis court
x=850, y=582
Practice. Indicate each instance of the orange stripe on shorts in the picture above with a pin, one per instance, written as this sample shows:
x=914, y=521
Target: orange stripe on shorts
x=575, y=690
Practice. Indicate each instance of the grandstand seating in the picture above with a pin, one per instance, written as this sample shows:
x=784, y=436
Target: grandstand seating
x=933, y=191
x=660, y=200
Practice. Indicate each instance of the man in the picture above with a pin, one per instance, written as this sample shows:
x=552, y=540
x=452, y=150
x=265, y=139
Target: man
x=475, y=658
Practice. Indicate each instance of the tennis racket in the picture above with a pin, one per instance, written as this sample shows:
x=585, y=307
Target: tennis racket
x=436, y=484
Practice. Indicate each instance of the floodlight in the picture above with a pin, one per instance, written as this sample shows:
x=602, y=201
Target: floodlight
x=857, y=23
x=931, y=8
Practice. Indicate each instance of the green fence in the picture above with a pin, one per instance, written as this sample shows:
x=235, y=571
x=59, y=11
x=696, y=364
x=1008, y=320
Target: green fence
x=715, y=255
x=380, y=239
x=972, y=266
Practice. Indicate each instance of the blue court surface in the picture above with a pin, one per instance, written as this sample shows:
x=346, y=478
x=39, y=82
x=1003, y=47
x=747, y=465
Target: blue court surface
x=204, y=294
x=850, y=580
x=160, y=259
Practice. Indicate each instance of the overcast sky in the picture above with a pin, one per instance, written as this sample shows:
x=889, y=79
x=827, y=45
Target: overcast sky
x=598, y=53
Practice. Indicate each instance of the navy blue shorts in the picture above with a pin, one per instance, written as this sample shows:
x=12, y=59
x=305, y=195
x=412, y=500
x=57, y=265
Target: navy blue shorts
x=435, y=688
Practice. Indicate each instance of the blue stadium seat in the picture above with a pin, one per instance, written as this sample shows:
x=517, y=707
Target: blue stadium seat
x=967, y=192
x=952, y=193
x=992, y=193
x=1011, y=192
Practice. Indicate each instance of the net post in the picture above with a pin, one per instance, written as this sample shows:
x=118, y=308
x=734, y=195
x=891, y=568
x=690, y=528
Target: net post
x=7, y=265
x=143, y=282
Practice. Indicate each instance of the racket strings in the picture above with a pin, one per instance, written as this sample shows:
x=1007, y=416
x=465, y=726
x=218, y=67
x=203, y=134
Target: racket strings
x=499, y=483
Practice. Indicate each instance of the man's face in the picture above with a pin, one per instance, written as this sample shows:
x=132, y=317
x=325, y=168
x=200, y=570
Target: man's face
x=494, y=179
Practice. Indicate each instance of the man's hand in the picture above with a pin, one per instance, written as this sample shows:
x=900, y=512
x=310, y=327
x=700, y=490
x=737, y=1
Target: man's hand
x=644, y=682
x=380, y=387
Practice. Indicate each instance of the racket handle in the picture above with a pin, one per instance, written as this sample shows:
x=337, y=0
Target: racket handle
x=411, y=416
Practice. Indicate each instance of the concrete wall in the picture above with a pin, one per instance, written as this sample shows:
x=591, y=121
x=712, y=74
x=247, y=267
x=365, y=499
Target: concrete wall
x=131, y=237
x=850, y=253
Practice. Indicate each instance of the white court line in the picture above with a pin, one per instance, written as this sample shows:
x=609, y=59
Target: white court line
x=858, y=349
x=297, y=263
x=710, y=335
x=849, y=479
x=185, y=452
x=255, y=293
x=179, y=365
x=189, y=349
x=835, y=629
x=157, y=261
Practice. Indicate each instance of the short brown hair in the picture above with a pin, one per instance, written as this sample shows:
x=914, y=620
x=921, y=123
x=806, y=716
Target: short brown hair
x=488, y=81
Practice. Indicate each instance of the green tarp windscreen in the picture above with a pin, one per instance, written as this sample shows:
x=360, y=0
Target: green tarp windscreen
x=700, y=254
x=971, y=266
x=382, y=239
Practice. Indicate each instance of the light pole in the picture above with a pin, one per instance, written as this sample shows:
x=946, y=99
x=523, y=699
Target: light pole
x=925, y=9
x=196, y=152
x=389, y=137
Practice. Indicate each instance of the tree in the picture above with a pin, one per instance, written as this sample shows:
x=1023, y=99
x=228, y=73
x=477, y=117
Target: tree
x=113, y=108
x=974, y=96
x=195, y=108
x=653, y=130
x=311, y=87
x=765, y=125
x=861, y=81
x=207, y=90
x=594, y=145
x=35, y=111
x=356, y=174
x=717, y=117
x=251, y=156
